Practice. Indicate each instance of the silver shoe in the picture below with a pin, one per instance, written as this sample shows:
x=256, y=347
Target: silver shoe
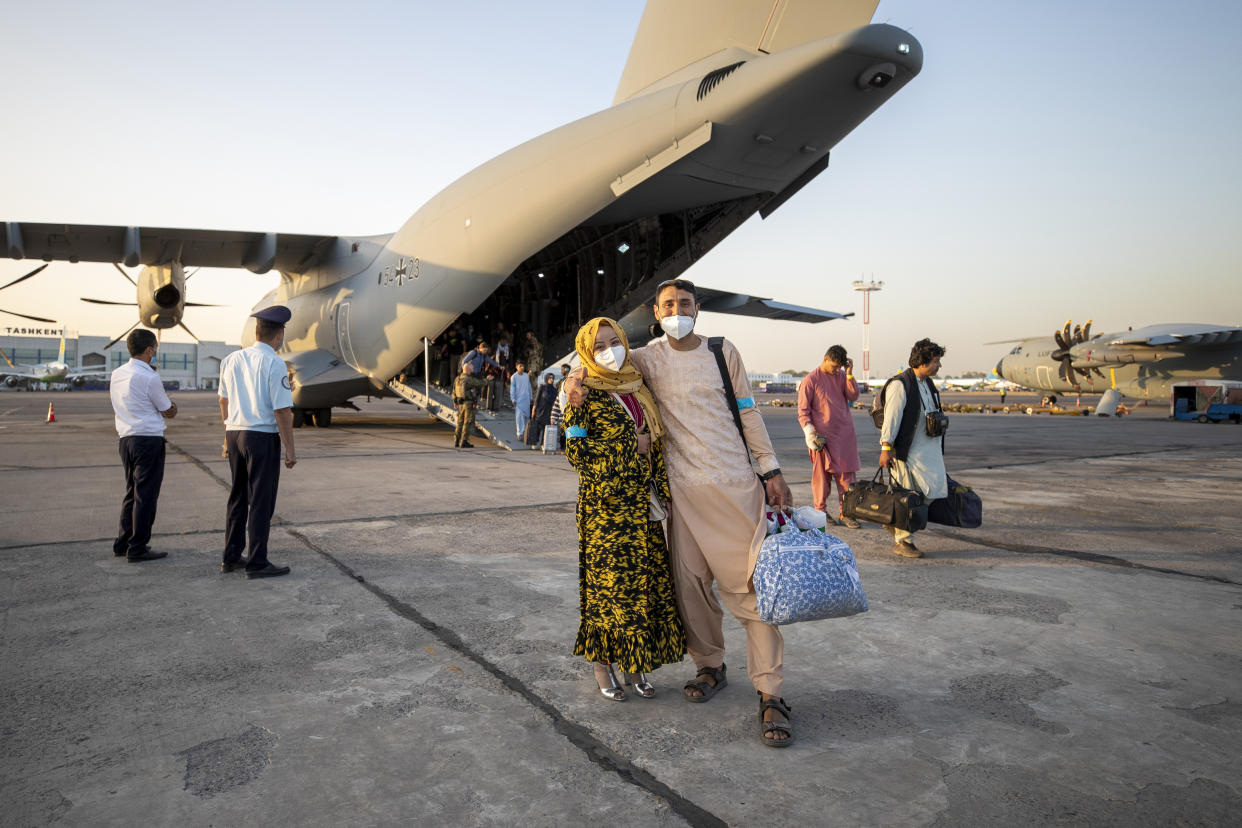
x=609, y=687
x=641, y=684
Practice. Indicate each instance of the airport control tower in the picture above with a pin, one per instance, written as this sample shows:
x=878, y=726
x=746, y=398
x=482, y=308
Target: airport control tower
x=867, y=289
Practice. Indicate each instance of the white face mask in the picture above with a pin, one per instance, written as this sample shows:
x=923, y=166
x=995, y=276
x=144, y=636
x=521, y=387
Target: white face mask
x=678, y=327
x=611, y=359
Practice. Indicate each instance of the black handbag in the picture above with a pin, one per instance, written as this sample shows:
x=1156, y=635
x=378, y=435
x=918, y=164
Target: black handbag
x=962, y=507
x=886, y=503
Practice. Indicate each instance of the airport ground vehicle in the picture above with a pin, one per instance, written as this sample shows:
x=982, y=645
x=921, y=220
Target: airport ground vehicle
x=1207, y=401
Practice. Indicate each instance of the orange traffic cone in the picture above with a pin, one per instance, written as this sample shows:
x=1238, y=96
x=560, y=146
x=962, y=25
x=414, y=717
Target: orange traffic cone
x=51, y=414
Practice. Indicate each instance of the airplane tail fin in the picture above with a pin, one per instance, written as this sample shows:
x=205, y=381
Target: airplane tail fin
x=61, y=357
x=676, y=34
x=6, y=359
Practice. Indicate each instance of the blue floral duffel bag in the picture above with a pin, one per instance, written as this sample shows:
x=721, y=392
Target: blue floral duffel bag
x=806, y=575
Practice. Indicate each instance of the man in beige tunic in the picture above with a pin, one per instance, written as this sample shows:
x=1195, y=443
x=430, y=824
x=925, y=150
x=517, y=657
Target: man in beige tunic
x=716, y=523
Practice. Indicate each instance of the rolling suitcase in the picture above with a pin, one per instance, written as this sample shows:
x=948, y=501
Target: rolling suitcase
x=549, y=439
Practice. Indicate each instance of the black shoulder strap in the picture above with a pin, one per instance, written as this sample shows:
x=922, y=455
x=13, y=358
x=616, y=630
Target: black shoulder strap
x=716, y=345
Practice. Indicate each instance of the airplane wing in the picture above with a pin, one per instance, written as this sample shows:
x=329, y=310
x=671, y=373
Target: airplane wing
x=722, y=301
x=1176, y=335
x=257, y=252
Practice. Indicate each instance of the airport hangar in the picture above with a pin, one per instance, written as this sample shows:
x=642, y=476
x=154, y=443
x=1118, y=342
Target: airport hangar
x=190, y=365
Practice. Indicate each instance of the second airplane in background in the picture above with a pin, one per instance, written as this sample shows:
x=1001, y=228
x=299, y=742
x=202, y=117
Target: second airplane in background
x=1142, y=363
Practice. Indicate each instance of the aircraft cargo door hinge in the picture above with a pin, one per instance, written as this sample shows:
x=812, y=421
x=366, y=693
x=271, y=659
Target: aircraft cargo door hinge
x=665, y=158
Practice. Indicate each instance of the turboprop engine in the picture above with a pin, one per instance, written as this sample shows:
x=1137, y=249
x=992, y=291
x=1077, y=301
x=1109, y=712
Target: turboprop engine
x=161, y=295
x=161, y=298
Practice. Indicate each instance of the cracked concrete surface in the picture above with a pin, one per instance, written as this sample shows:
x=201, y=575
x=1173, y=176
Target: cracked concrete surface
x=415, y=667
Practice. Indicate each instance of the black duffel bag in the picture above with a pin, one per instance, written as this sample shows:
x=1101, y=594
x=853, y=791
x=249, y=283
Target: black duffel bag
x=961, y=508
x=886, y=503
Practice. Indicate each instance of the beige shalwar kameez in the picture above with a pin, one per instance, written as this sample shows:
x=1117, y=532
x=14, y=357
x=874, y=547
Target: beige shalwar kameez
x=716, y=525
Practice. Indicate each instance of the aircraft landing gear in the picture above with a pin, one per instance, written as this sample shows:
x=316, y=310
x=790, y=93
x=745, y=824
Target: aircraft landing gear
x=321, y=417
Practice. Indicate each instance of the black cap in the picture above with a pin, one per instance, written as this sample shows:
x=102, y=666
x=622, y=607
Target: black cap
x=276, y=314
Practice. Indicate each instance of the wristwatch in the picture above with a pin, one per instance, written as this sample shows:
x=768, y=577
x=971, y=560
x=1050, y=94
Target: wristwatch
x=766, y=476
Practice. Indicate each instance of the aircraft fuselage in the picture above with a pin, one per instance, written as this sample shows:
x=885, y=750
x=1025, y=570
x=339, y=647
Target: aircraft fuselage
x=755, y=131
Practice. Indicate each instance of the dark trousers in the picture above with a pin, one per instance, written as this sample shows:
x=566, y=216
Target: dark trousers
x=254, y=458
x=143, y=459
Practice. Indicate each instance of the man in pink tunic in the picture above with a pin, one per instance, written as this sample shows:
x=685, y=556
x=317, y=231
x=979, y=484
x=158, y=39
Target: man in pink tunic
x=824, y=399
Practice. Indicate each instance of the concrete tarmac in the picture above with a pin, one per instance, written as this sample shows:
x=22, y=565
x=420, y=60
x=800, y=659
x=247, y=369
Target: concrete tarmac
x=1075, y=661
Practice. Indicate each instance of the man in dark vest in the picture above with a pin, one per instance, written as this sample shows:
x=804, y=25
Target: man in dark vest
x=908, y=445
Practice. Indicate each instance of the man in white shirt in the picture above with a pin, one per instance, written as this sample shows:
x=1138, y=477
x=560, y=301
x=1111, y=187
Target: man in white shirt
x=141, y=406
x=256, y=406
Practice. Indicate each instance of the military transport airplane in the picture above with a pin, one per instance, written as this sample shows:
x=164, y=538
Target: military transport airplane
x=54, y=371
x=1142, y=363
x=725, y=108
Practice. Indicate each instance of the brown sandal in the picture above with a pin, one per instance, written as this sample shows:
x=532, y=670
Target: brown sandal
x=785, y=727
x=708, y=690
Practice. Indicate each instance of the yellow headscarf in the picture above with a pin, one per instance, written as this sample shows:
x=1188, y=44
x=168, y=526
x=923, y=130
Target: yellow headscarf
x=625, y=381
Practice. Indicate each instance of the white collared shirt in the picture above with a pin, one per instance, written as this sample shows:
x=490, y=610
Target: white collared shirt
x=255, y=381
x=138, y=398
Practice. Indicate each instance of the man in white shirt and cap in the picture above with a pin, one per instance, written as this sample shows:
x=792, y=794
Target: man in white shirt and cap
x=256, y=405
x=141, y=406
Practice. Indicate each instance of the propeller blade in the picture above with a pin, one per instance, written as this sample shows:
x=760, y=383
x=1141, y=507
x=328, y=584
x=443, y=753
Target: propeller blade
x=128, y=278
x=37, y=270
x=1077, y=334
x=1066, y=333
x=202, y=305
x=1098, y=372
x=190, y=332
x=27, y=316
x=109, y=302
x=122, y=336
x=1086, y=330
x=1061, y=343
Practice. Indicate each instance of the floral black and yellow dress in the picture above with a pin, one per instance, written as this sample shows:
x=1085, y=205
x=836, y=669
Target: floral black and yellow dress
x=628, y=608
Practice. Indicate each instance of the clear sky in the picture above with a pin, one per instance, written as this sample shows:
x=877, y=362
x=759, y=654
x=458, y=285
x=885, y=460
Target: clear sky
x=1053, y=160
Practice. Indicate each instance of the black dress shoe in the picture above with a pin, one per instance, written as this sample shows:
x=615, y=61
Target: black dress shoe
x=146, y=555
x=269, y=571
x=233, y=566
x=466, y=445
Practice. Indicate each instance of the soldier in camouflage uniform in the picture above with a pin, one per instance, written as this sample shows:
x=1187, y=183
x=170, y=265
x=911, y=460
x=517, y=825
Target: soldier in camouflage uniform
x=466, y=389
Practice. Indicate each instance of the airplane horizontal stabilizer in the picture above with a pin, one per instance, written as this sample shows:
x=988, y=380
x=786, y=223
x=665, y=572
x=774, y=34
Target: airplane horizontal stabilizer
x=674, y=35
x=722, y=301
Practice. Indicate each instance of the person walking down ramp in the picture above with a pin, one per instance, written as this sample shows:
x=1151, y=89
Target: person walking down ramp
x=519, y=394
x=627, y=601
x=256, y=405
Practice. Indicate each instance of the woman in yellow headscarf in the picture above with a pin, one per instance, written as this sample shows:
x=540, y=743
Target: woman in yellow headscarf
x=614, y=440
